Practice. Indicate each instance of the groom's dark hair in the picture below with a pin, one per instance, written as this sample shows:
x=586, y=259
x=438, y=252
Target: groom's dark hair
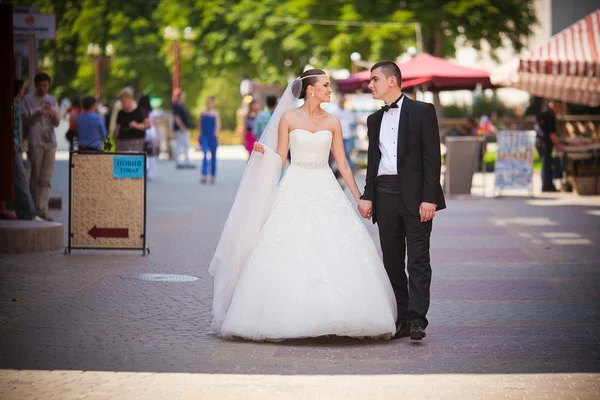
x=389, y=68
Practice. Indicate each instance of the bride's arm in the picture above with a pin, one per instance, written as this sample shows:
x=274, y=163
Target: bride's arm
x=339, y=155
x=282, y=141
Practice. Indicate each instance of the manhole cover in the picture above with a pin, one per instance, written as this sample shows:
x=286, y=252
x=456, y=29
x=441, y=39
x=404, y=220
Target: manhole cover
x=161, y=277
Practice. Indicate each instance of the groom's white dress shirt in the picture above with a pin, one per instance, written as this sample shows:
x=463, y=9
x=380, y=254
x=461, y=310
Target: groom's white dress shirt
x=388, y=140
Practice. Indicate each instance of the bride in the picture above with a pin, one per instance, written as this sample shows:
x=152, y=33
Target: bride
x=299, y=263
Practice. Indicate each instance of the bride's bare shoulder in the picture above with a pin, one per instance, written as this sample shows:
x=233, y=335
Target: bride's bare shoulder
x=330, y=118
x=290, y=115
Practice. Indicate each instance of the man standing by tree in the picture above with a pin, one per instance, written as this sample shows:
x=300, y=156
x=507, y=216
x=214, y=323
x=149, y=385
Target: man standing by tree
x=40, y=117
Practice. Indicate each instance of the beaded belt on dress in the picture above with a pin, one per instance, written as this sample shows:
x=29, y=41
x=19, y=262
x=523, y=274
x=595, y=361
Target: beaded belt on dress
x=311, y=164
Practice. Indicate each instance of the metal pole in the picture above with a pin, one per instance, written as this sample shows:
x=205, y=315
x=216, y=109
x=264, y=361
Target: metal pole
x=176, y=66
x=483, y=166
x=98, y=78
x=144, y=233
x=419, y=37
x=70, y=224
x=447, y=173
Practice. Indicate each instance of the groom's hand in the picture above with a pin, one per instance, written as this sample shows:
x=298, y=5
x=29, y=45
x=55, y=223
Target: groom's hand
x=365, y=208
x=427, y=211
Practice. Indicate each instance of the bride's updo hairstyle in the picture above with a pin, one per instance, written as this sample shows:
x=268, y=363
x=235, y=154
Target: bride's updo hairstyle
x=308, y=78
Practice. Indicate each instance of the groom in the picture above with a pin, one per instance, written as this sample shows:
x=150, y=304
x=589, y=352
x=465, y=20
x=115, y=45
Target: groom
x=403, y=192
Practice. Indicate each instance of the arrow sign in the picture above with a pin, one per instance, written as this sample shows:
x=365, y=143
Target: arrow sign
x=108, y=232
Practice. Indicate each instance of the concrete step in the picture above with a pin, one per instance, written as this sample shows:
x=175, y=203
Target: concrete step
x=30, y=236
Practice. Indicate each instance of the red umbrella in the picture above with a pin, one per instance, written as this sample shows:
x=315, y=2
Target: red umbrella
x=433, y=73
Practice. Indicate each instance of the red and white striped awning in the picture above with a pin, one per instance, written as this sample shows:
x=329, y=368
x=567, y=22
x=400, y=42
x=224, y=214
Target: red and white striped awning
x=568, y=66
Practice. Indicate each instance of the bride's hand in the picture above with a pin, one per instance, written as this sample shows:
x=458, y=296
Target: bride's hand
x=259, y=147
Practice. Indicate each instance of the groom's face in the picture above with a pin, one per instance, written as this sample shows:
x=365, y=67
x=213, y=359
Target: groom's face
x=379, y=84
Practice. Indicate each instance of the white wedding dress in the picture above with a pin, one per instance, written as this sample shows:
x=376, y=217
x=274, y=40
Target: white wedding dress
x=314, y=270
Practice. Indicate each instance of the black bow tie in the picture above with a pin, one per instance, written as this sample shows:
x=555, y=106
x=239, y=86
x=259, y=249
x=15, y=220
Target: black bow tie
x=394, y=104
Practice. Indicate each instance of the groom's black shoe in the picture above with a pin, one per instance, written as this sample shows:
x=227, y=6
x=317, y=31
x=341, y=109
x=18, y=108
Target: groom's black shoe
x=402, y=330
x=417, y=332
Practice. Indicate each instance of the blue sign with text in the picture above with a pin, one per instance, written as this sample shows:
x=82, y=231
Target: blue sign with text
x=128, y=167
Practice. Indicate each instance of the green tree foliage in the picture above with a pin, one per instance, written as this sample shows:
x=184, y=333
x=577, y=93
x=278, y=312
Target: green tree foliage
x=60, y=57
x=128, y=26
x=484, y=105
x=476, y=20
x=273, y=40
x=268, y=40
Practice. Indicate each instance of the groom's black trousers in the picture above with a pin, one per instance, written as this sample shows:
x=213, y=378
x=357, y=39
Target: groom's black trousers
x=401, y=232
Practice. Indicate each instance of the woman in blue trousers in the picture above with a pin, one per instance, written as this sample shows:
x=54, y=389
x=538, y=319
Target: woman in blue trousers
x=210, y=125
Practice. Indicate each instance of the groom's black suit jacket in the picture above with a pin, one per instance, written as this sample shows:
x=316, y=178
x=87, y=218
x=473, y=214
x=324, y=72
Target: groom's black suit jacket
x=419, y=159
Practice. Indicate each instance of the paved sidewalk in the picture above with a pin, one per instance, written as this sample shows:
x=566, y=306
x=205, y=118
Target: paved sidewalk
x=514, y=311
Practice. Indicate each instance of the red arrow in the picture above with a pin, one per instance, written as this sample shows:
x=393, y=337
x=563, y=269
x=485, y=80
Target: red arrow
x=109, y=232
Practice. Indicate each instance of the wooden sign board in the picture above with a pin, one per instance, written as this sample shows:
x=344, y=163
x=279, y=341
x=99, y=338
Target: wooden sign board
x=107, y=207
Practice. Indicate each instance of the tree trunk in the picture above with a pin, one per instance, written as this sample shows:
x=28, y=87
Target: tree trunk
x=433, y=46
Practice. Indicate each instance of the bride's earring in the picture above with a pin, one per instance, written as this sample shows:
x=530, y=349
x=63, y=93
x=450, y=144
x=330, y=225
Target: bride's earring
x=313, y=94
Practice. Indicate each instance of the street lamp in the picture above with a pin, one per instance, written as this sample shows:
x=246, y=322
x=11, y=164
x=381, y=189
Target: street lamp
x=95, y=51
x=173, y=34
x=355, y=57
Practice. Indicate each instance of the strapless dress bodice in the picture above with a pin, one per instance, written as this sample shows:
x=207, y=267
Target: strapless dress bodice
x=310, y=149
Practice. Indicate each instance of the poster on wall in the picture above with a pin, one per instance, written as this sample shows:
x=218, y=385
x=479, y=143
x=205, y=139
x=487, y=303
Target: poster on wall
x=514, y=160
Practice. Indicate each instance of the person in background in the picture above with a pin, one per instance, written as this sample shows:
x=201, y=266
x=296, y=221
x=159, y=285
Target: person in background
x=546, y=140
x=346, y=118
x=90, y=126
x=249, y=137
x=469, y=129
x=116, y=107
x=485, y=126
x=108, y=116
x=23, y=204
x=263, y=117
x=73, y=112
x=151, y=138
x=40, y=117
x=210, y=126
x=132, y=123
x=518, y=124
x=182, y=122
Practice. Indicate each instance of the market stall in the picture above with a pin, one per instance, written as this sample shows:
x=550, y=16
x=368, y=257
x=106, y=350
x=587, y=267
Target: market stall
x=567, y=67
x=581, y=163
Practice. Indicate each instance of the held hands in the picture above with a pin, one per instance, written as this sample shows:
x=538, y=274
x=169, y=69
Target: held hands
x=258, y=147
x=427, y=211
x=365, y=208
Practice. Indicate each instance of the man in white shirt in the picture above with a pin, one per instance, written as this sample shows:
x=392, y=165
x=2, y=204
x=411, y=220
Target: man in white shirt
x=40, y=117
x=346, y=118
x=403, y=192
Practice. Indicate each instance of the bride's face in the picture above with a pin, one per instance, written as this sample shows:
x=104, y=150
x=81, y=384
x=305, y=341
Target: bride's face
x=322, y=90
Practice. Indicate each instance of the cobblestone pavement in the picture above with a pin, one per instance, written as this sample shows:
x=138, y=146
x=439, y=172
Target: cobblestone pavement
x=514, y=311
